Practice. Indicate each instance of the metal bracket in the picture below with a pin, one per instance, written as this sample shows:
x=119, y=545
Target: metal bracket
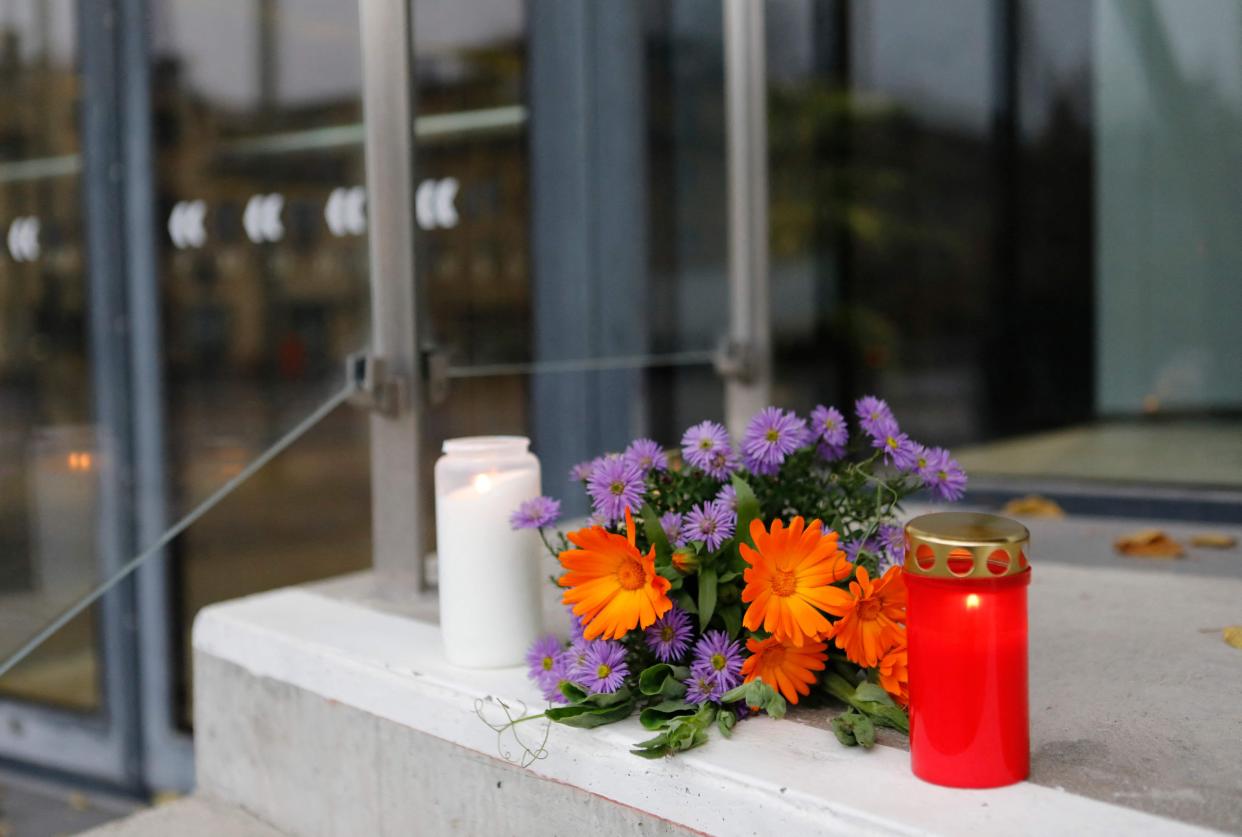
x=735, y=361
x=376, y=387
x=436, y=368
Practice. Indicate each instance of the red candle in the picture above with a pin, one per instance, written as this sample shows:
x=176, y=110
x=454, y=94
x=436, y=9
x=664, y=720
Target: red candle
x=966, y=576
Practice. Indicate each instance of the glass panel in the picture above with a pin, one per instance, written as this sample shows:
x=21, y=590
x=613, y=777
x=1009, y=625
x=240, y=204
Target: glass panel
x=1012, y=221
x=259, y=232
x=578, y=291
x=51, y=455
x=265, y=291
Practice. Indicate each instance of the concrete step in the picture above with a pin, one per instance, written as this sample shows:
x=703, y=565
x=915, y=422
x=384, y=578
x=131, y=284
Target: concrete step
x=192, y=816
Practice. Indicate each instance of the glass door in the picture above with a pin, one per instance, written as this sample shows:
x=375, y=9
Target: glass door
x=184, y=273
x=63, y=444
x=571, y=210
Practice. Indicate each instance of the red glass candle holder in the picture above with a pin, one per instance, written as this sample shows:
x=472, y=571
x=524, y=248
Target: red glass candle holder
x=966, y=576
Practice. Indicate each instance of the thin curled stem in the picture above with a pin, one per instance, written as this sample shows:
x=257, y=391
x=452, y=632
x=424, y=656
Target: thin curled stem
x=529, y=754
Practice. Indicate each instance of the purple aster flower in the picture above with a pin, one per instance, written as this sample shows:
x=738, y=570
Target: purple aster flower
x=542, y=657
x=552, y=685
x=647, y=455
x=673, y=525
x=943, y=475
x=576, y=624
x=891, y=543
x=720, y=658
x=771, y=436
x=604, y=667
x=669, y=637
x=575, y=658
x=536, y=513
x=829, y=428
x=703, y=687
x=859, y=545
x=874, y=416
x=727, y=497
x=722, y=463
x=582, y=471
x=710, y=522
x=616, y=484
x=707, y=447
x=899, y=450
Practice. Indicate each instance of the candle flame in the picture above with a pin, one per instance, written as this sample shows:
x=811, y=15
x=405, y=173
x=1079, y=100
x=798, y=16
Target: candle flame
x=482, y=483
x=972, y=601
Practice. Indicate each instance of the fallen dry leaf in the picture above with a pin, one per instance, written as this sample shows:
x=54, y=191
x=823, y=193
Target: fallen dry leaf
x=1214, y=540
x=78, y=801
x=1233, y=635
x=163, y=797
x=1149, y=543
x=1032, y=505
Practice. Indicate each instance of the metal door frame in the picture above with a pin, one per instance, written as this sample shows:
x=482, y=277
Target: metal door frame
x=104, y=746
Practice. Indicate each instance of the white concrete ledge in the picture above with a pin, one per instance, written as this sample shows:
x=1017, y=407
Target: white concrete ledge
x=773, y=777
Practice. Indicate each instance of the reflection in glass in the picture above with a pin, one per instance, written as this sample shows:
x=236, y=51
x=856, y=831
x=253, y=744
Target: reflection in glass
x=263, y=274
x=51, y=457
x=580, y=294
x=1007, y=219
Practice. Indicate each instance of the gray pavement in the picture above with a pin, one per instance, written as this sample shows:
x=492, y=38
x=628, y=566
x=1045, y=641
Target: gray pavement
x=31, y=807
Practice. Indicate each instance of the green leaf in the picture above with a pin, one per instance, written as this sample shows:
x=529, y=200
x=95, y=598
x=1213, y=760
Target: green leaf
x=707, y=595
x=732, y=616
x=872, y=692
x=587, y=716
x=656, y=717
x=854, y=728
x=747, y=509
x=685, y=601
x=608, y=698
x=572, y=692
x=776, y=706
x=664, y=680
x=726, y=721
x=758, y=694
x=656, y=536
x=844, y=732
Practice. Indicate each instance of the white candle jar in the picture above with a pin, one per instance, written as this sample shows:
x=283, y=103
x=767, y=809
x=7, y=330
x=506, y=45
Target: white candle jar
x=490, y=602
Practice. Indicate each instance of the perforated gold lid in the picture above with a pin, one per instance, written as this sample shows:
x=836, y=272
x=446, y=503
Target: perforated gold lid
x=966, y=545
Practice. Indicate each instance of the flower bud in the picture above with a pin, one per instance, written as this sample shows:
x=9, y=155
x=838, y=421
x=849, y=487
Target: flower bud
x=685, y=561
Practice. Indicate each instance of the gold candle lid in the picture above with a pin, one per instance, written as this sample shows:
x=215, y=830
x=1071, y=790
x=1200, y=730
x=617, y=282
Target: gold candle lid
x=966, y=545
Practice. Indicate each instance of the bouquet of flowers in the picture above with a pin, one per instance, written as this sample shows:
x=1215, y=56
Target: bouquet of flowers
x=739, y=578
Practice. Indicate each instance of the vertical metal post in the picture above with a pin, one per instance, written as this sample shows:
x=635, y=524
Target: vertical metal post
x=747, y=359
x=168, y=753
x=388, y=109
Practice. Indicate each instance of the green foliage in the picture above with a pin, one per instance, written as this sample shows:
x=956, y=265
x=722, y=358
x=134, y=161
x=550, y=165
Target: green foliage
x=707, y=596
x=759, y=695
x=592, y=710
x=663, y=680
x=869, y=699
x=854, y=729
x=679, y=733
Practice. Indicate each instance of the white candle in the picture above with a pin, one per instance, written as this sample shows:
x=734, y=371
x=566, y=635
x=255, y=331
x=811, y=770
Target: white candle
x=489, y=577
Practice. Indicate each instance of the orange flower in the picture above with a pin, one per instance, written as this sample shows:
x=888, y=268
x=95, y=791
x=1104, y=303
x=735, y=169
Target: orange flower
x=790, y=570
x=870, y=613
x=786, y=667
x=895, y=673
x=613, y=587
